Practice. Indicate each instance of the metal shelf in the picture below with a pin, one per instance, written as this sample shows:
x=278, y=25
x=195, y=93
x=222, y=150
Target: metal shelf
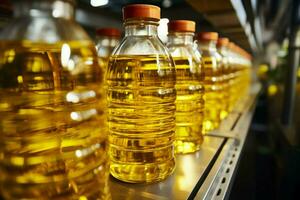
x=207, y=174
x=218, y=180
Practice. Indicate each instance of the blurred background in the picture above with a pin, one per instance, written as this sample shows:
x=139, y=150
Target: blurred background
x=269, y=30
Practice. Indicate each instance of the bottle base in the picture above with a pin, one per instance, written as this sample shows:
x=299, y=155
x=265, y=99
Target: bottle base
x=209, y=126
x=142, y=173
x=186, y=147
x=223, y=114
x=96, y=190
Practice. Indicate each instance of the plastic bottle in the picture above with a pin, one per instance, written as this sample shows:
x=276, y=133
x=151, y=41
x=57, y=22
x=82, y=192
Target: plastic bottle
x=234, y=94
x=107, y=39
x=141, y=100
x=222, y=50
x=189, y=86
x=213, y=97
x=53, y=131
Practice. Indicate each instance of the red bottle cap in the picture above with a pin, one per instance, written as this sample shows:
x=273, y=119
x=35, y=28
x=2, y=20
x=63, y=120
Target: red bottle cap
x=111, y=32
x=208, y=36
x=182, y=26
x=141, y=11
x=223, y=42
x=231, y=45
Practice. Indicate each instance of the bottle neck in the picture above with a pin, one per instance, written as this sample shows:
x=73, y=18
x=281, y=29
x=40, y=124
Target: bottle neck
x=223, y=50
x=185, y=38
x=208, y=45
x=44, y=8
x=107, y=41
x=141, y=28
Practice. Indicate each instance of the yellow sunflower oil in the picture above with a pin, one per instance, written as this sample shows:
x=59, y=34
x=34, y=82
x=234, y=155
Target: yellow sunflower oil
x=223, y=52
x=140, y=82
x=53, y=130
x=141, y=117
x=189, y=86
x=213, y=81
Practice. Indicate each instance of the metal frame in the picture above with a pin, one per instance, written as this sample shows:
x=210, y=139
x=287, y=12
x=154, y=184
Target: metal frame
x=293, y=62
x=221, y=175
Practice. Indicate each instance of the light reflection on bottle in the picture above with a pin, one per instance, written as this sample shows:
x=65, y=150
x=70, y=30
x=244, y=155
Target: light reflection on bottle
x=10, y=55
x=184, y=182
x=76, y=97
x=87, y=151
x=99, y=169
x=66, y=60
x=89, y=62
x=71, y=65
x=83, y=115
x=20, y=79
x=165, y=91
x=65, y=54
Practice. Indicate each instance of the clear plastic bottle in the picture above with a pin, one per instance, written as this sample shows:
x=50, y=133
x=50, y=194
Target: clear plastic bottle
x=233, y=76
x=245, y=62
x=53, y=131
x=222, y=50
x=241, y=75
x=106, y=40
x=238, y=74
x=213, y=97
x=189, y=86
x=141, y=100
x=248, y=67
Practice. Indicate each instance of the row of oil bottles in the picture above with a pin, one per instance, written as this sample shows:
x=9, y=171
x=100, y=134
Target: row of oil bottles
x=156, y=98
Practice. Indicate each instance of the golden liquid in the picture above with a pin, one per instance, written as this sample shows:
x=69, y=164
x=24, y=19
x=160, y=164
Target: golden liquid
x=52, y=124
x=225, y=92
x=232, y=89
x=103, y=62
x=189, y=107
x=141, y=103
x=246, y=78
x=241, y=84
x=213, y=93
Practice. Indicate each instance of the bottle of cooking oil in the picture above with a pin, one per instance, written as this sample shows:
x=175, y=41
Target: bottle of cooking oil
x=141, y=100
x=248, y=65
x=189, y=86
x=53, y=132
x=243, y=73
x=107, y=39
x=222, y=50
x=213, y=97
x=233, y=78
x=239, y=74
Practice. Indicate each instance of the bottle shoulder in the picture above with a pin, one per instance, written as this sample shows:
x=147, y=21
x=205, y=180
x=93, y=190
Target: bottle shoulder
x=43, y=29
x=104, y=51
x=211, y=59
x=187, y=53
x=141, y=45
